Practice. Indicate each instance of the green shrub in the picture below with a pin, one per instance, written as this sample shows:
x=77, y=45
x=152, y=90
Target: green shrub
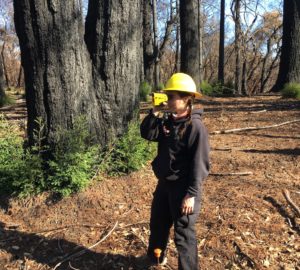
x=21, y=171
x=145, y=90
x=6, y=100
x=291, y=90
x=74, y=160
x=206, y=88
x=160, y=86
x=128, y=154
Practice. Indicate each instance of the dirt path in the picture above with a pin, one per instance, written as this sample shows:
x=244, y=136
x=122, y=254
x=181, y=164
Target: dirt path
x=245, y=222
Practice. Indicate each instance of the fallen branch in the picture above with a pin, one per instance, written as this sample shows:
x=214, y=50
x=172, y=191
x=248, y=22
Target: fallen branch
x=81, y=252
x=231, y=173
x=286, y=195
x=261, y=111
x=251, y=128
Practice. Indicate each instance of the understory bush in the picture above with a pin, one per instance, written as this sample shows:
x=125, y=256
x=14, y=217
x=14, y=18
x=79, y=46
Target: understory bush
x=291, y=90
x=216, y=89
x=127, y=154
x=145, y=90
x=70, y=166
x=6, y=100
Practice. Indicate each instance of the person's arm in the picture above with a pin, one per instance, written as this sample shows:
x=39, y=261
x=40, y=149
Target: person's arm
x=151, y=127
x=199, y=157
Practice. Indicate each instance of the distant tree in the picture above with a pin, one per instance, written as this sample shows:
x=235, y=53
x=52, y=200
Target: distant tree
x=190, y=43
x=289, y=69
x=69, y=72
x=221, y=43
x=2, y=92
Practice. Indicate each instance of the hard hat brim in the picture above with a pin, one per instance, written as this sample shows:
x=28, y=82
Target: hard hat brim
x=196, y=94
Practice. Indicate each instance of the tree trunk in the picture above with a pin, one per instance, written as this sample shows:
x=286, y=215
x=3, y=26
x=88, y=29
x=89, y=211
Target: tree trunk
x=189, y=32
x=237, y=46
x=148, y=42
x=2, y=92
x=200, y=26
x=4, y=66
x=64, y=80
x=289, y=69
x=156, y=50
x=221, y=43
x=177, y=56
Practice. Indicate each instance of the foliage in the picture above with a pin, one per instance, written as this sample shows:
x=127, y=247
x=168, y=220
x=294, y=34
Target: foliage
x=206, y=88
x=128, y=154
x=20, y=170
x=6, y=100
x=160, y=86
x=291, y=90
x=70, y=165
x=145, y=90
x=216, y=89
x=74, y=160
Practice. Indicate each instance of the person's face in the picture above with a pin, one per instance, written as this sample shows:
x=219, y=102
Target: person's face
x=176, y=103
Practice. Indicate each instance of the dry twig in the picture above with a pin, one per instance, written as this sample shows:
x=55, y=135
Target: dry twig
x=231, y=173
x=286, y=195
x=252, y=128
x=81, y=252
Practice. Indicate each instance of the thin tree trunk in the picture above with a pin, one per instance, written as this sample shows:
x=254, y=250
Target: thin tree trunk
x=177, y=58
x=200, y=26
x=237, y=45
x=4, y=66
x=156, y=49
x=221, y=43
x=19, y=82
x=2, y=91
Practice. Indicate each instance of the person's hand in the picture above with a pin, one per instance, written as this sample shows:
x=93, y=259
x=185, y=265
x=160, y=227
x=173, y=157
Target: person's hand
x=187, y=206
x=159, y=108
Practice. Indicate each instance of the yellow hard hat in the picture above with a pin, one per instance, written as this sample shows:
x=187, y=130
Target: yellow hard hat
x=182, y=82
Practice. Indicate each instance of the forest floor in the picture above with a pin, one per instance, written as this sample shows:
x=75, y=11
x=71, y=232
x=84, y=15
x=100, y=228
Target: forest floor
x=245, y=221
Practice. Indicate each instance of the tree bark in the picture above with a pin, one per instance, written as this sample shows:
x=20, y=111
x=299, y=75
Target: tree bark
x=2, y=92
x=148, y=42
x=221, y=43
x=237, y=46
x=156, y=49
x=289, y=68
x=64, y=79
x=189, y=33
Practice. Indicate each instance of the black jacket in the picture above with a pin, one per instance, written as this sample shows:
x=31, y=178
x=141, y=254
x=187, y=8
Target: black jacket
x=179, y=158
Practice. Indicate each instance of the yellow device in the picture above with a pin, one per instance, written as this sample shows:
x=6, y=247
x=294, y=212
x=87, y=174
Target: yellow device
x=159, y=98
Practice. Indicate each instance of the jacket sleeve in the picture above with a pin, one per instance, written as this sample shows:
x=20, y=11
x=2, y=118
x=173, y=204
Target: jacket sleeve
x=199, y=157
x=151, y=128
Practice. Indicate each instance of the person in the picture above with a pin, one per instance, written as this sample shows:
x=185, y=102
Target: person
x=181, y=165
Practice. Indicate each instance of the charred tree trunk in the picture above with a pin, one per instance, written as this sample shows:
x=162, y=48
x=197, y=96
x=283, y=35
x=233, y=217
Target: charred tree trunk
x=221, y=43
x=64, y=80
x=156, y=49
x=289, y=69
x=189, y=33
x=148, y=42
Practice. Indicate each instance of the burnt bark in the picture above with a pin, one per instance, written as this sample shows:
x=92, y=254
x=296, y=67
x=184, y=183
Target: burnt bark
x=148, y=42
x=289, y=68
x=189, y=33
x=237, y=46
x=66, y=77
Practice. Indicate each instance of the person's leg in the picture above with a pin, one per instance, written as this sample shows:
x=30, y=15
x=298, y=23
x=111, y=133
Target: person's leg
x=160, y=223
x=185, y=234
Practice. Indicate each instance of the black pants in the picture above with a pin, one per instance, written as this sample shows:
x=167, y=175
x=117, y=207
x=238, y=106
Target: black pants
x=166, y=211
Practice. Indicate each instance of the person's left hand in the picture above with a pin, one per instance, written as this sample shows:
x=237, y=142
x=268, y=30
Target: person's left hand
x=187, y=206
